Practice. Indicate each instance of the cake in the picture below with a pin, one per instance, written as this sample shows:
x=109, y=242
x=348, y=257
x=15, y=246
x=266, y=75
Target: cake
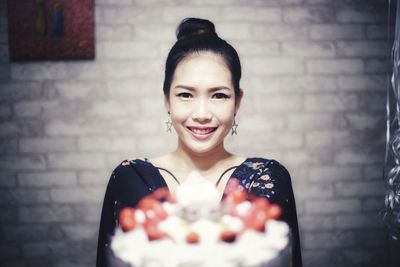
x=194, y=228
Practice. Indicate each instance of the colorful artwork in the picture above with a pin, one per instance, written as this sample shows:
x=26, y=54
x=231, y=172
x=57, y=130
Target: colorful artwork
x=51, y=29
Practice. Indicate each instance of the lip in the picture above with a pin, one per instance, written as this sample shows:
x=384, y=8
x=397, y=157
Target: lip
x=201, y=137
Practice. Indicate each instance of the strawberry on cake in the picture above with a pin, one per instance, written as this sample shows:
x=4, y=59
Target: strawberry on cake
x=195, y=228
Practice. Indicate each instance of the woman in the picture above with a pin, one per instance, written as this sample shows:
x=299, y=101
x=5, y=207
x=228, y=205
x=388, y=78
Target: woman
x=202, y=98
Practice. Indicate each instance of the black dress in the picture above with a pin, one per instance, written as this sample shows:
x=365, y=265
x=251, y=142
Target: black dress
x=133, y=179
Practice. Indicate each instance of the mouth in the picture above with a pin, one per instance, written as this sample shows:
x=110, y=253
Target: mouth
x=202, y=133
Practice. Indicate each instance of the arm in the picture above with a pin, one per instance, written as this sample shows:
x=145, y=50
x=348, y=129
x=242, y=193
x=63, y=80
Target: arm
x=127, y=185
x=107, y=223
x=290, y=213
x=124, y=189
x=274, y=183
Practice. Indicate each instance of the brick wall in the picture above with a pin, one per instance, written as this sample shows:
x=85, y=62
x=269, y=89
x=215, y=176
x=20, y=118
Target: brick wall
x=314, y=81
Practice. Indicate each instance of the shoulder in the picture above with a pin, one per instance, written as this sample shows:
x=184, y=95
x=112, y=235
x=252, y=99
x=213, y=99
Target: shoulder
x=127, y=182
x=259, y=166
x=271, y=177
x=278, y=171
x=127, y=168
x=266, y=164
x=123, y=166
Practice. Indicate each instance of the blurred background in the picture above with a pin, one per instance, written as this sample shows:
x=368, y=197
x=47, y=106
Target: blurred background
x=315, y=77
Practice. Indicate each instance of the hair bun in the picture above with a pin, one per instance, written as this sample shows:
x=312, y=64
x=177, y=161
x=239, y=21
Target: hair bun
x=191, y=27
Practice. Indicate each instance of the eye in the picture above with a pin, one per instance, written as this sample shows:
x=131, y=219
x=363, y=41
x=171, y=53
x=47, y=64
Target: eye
x=184, y=95
x=221, y=96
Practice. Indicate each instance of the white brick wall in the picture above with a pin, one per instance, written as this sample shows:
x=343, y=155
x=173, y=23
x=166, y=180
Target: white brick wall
x=314, y=76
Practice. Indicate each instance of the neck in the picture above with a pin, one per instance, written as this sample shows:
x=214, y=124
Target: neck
x=202, y=162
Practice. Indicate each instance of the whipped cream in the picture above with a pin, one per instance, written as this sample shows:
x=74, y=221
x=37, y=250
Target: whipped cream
x=198, y=211
x=252, y=248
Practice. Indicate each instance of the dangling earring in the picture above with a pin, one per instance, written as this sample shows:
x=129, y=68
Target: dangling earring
x=234, y=127
x=169, y=123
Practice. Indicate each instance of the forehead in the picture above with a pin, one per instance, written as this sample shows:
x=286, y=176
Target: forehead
x=203, y=67
x=204, y=56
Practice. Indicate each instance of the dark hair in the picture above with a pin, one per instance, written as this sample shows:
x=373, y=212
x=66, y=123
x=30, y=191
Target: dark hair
x=198, y=35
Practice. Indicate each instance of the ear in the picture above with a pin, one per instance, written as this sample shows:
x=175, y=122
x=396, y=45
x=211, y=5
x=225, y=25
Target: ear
x=166, y=103
x=238, y=100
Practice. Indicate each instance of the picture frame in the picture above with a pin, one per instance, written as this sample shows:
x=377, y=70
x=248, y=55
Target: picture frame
x=51, y=29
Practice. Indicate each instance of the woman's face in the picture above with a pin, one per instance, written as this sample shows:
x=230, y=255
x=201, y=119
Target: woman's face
x=202, y=102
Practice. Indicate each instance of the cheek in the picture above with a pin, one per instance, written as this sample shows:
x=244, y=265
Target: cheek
x=179, y=112
x=225, y=113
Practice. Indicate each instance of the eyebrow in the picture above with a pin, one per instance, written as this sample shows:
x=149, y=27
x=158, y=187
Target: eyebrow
x=212, y=89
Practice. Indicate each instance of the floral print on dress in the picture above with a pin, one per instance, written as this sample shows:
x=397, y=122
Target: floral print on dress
x=254, y=165
x=257, y=178
x=265, y=177
x=269, y=185
x=128, y=162
x=125, y=163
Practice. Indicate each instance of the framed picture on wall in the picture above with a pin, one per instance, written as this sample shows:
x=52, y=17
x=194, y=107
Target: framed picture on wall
x=50, y=29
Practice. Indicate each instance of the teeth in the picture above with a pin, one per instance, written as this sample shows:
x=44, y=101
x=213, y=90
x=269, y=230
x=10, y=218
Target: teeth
x=202, y=131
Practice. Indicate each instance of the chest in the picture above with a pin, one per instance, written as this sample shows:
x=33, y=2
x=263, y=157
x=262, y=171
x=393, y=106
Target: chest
x=216, y=178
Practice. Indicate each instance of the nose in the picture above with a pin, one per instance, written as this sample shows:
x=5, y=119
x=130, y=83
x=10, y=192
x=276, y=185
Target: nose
x=201, y=111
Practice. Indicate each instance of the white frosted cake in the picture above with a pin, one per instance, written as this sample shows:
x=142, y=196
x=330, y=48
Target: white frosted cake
x=194, y=228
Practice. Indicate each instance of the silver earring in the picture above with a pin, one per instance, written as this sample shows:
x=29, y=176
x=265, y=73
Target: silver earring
x=169, y=123
x=234, y=127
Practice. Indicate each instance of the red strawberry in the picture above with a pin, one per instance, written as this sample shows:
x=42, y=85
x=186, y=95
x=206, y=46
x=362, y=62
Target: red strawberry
x=239, y=196
x=256, y=217
x=153, y=232
x=260, y=202
x=235, y=197
x=259, y=220
x=159, y=211
x=126, y=219
x=232, y=185
x=147, y=202
x=192, y=238
x=152, y=208
x=253, y=223
x=161, y=194
x=274, y=212
x=228, y=236
x=171, y=198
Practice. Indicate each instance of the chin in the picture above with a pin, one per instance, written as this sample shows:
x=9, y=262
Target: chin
x=201, y=148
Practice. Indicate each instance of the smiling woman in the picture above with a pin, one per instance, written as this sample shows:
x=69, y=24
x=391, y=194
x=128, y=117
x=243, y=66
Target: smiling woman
x=202, y=103
x=202, y=97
